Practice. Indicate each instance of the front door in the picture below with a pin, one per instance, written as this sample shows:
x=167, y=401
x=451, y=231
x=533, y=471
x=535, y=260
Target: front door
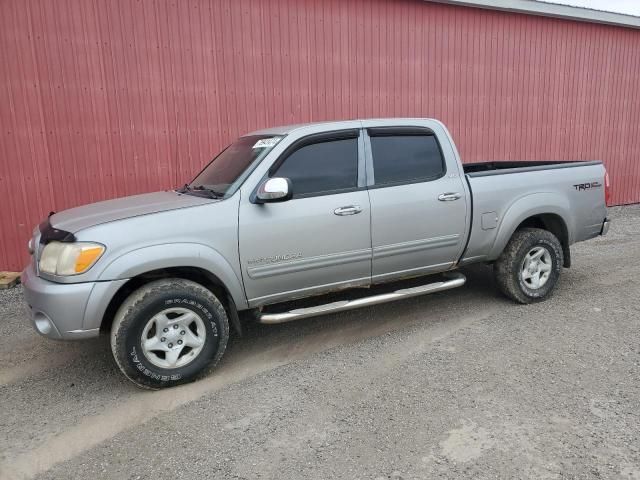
x=320, y=239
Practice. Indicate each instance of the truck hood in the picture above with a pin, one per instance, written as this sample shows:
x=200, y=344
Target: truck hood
x=79, y=218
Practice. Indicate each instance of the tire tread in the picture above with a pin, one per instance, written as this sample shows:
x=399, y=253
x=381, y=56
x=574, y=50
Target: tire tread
x=509, y=260
x=126, y=314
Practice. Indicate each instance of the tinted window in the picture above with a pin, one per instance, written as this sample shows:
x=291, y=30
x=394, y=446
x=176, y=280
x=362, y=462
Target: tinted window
x=322, y=167
x=403, y=158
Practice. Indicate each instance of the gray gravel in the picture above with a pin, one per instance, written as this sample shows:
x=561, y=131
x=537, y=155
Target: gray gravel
x=460, y=384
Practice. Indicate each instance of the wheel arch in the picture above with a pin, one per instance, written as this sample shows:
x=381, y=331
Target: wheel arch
x=551, y=213
x=195, y=274
x=554, y=224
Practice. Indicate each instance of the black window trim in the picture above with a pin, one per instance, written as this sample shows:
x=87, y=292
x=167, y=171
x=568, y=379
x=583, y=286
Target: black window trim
x=311, y=139
x=396, y=131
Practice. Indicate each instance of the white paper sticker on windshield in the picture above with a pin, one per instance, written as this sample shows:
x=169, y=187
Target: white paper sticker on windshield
x=267, y=142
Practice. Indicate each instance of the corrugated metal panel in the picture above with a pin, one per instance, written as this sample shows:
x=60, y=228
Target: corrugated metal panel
x=106, y=98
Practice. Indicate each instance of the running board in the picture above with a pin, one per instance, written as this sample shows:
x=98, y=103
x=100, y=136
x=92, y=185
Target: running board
x=455, y=279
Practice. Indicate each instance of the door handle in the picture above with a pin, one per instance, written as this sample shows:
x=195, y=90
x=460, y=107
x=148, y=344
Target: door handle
x=449, y=196
x=349, y=210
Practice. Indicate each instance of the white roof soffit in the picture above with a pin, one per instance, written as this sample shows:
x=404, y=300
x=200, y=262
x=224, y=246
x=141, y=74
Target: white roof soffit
x=532, y=7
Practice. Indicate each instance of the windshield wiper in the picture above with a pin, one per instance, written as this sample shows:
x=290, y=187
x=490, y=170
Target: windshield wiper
x=213, y=192
x=186, y=188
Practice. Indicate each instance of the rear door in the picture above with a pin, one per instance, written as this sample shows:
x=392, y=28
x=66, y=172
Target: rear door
x=418, y=202
x=320, y=240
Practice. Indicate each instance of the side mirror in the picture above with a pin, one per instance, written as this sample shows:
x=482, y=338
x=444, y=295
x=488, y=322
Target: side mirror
x=275, y=189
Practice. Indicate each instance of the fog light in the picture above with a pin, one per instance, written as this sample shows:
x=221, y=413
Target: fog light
x=43, y=324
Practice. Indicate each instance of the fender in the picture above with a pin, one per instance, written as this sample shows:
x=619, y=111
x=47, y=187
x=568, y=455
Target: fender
x=529, y=206
x=154, y=257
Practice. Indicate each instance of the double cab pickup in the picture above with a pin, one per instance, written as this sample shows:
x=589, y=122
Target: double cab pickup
x=297, y=221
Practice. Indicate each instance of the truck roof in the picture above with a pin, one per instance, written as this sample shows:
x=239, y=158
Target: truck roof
x=285, y=129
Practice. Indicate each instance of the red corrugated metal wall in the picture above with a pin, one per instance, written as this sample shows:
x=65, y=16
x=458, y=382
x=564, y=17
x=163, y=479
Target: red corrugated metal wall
x=103, y=98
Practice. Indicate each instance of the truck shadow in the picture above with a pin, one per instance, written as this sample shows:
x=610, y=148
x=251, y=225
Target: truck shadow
x=290, y=341
x=84, y=396
x=90, y=362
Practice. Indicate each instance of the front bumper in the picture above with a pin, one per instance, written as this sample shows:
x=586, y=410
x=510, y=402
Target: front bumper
x=70, y=311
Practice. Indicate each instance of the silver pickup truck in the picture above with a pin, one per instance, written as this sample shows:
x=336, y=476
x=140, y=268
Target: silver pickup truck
x=297, y=221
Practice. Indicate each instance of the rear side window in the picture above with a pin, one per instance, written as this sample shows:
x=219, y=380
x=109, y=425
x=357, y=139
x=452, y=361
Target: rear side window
x=322, y=167
x=406, y=158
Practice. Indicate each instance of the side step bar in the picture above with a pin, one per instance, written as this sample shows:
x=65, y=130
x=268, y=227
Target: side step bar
x=455, y=279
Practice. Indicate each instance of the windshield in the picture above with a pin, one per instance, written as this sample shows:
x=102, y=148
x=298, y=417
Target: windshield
x=226, y=170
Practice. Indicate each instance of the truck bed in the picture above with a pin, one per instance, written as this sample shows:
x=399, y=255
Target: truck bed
x=559, y=189
x=482, y=169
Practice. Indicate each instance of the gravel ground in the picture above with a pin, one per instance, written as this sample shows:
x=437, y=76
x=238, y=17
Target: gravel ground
x=459, y=384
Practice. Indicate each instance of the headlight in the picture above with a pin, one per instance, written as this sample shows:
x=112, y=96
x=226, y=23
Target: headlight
x=60, y=258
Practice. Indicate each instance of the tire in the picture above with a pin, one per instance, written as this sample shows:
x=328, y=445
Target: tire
x=516, y=270
x=173, y=315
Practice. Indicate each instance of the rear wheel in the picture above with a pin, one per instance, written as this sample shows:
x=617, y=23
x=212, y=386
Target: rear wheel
x=530, y=265
x=169, y=332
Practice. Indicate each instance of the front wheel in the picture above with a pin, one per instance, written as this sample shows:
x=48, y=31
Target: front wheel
x=530, y=265
x=168, y=332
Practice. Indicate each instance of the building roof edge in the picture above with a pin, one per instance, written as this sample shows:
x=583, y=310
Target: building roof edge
x=556, y=10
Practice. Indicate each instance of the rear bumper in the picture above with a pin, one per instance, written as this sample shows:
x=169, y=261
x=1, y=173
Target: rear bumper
x=71, y=311
x=605, y=226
